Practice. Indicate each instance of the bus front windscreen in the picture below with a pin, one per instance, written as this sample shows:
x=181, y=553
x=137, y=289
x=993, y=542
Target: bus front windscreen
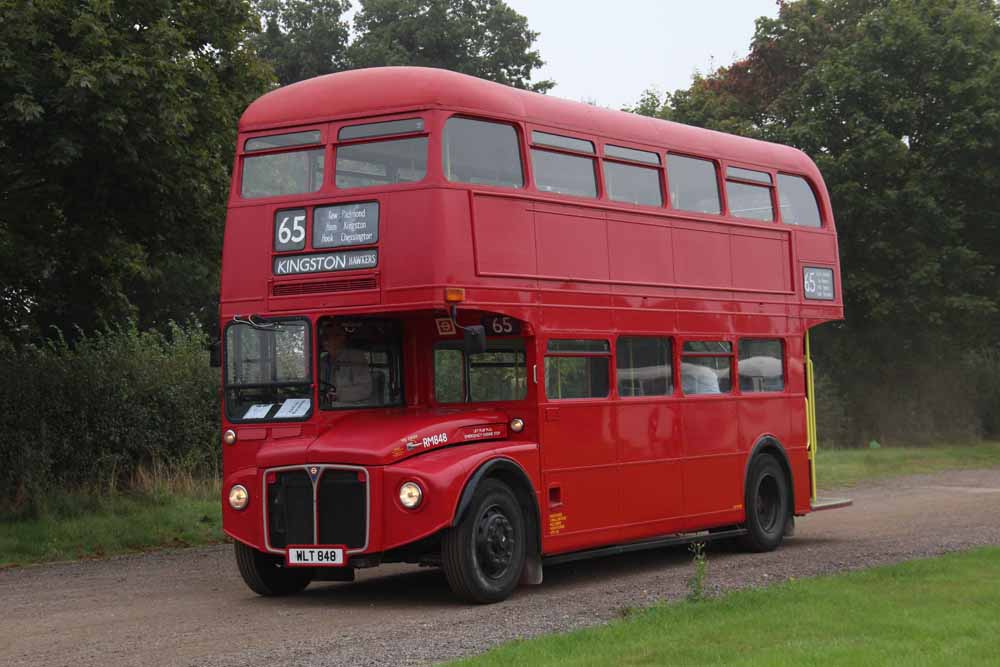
x=268, y=371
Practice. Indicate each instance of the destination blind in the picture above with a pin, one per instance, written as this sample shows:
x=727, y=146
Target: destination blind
x=324, y=262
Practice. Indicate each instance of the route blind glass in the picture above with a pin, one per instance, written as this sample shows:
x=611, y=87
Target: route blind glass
x=483, y=153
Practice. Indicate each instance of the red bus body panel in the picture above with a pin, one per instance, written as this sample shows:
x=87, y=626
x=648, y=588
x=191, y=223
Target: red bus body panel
x=604, y=470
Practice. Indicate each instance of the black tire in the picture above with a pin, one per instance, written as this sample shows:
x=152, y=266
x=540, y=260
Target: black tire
x=483, y=555
x=267, y=575
x=767, y=504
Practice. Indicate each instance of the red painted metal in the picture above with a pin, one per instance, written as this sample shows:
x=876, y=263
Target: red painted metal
x=603, y=470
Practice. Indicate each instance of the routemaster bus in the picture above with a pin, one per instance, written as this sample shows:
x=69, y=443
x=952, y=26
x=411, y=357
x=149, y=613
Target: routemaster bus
x=479, y=328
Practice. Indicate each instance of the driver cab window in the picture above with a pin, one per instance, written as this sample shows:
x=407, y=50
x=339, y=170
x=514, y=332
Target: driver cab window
x=498, y=374
x=359, y=363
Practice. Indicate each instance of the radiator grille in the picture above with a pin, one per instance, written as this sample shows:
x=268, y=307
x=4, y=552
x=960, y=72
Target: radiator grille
x=340, y=497
x=323, y=286
x=290, y=509
x=342, y=508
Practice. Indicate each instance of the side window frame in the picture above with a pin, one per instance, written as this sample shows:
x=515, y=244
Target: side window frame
x=820, y=210
x=594, y=157
x=607, y=355
x=522, y=153
x=720, y=191
x=771, y=186
x=673, y=387
x=731, y=355
x=659, y=167
x=782, y=343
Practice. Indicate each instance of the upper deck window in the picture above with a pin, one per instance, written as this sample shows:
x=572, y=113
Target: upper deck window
x=798, y=201
x=382, y=129
x=282, y=141
x=633, y=184
x=631, y=154
x=381, y=163
x=275, y=174
x=559, y=141
x=482, y=152
x=693, y=184
x=752, y=202
x=563, y=173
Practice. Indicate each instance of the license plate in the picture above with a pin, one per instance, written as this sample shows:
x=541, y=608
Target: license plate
x=315, y=556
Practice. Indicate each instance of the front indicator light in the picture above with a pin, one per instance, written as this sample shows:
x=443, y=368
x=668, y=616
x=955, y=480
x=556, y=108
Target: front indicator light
x=410, y=495
x=516, y=424
x=238, y=497
x=229, y=437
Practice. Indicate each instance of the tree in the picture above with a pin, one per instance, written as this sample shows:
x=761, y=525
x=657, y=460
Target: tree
x=302, y=38
x=484, y=38
x=896, y=102
x=117, y=123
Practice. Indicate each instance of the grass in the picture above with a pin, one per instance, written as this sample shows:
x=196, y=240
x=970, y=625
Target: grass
x=938, y=611
x=845, y=467
x=156, y=513
x=165, y=510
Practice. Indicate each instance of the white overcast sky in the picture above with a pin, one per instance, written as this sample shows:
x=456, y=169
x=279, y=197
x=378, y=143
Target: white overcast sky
x=609, y=51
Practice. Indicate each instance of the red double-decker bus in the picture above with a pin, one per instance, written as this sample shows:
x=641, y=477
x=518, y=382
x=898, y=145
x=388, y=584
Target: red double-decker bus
x=480, y=328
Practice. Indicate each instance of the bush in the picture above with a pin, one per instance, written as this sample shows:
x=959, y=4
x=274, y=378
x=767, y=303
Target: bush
x=92, y=415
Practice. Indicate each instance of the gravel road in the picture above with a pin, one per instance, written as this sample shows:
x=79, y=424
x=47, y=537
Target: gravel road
x=189, y=607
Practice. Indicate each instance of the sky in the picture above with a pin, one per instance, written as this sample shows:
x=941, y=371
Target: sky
x=609, y=51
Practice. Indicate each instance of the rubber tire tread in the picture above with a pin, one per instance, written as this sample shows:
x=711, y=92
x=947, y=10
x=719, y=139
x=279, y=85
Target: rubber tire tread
x=755, y=540
x=263, y=578
x=456, y=551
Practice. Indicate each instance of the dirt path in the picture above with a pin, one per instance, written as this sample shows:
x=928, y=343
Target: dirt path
x=190, y=607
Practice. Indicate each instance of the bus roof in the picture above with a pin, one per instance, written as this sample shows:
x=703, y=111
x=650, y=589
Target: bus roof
x=384, y=90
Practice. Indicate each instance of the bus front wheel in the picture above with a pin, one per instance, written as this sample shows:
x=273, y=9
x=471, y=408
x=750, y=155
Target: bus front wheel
x=267, y=575
x=767, y=504
x=483, y=555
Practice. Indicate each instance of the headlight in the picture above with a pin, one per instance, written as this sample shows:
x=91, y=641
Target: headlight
x=238, y=497
x=410, y=495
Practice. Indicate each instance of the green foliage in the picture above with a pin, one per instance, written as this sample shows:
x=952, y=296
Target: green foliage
x=302, y=38
x=696, y=583
x=82, y=525
x=939, y=611
x=896, y=102
x=95, y=413
x=117, y=125
x=484, y=38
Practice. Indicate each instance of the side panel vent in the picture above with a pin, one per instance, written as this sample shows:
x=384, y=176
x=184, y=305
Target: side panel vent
x=323, y=286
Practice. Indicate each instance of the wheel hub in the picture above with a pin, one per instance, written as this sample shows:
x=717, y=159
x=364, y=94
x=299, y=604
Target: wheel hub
x=494, y=542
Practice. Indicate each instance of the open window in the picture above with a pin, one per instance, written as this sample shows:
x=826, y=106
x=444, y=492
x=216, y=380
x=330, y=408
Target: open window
x=498, y=374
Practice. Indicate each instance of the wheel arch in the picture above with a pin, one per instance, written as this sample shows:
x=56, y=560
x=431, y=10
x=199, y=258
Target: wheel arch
x=514, y=476
x=769, y=444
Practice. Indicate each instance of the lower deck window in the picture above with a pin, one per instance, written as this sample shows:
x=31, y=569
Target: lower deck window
x=498, y=374
x=705, y=367
x=761, y=365
x=577, y=368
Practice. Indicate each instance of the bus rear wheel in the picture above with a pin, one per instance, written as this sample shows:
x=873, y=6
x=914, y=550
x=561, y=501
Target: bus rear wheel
x=483, y=555
x=767, y=504
x=267, y=575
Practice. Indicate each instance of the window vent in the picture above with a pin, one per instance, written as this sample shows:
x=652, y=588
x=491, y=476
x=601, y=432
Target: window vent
x=322, y=286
